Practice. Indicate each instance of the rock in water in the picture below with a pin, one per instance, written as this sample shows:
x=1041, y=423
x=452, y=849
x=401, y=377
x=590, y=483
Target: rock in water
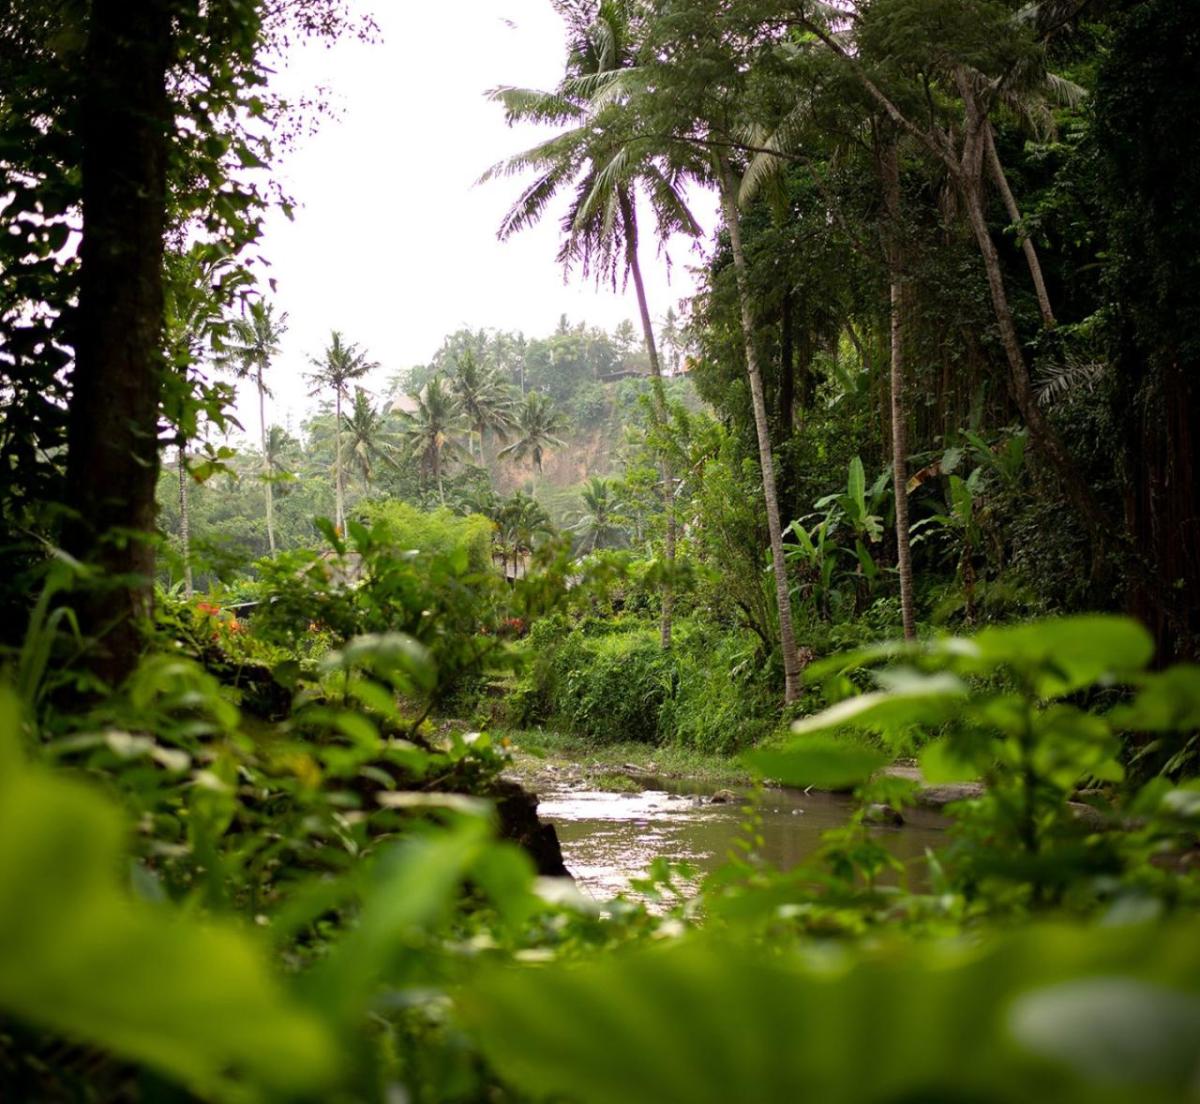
x=517, y=810
x=882, y=814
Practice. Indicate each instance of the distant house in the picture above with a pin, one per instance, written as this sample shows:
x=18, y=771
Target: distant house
x=622, y=373
x=404, y=404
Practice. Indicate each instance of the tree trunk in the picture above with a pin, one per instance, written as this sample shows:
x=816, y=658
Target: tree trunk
x=787, y=368
x=1043, y=435
x=185, y=534
x=262, y=426
x=660, y=412
x=113, y=456
x=787, y=640
x=891, y=185
x=338, y=491
x=1014, y=213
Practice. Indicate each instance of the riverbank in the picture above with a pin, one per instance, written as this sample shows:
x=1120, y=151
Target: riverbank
x=543, y=759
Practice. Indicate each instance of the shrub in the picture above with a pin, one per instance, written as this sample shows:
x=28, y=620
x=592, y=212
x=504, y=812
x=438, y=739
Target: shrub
x=435, y=532
x=610, y=680
x=724, y=698
x=609, y=688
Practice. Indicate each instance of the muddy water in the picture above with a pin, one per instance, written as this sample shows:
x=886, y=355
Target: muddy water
x=610, y=838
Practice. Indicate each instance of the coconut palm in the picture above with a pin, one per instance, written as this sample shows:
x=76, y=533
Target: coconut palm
x=253, y=343
x=600, y=520
x=519, y=519
x=340, y=364
x=192, y=326
x=368, y=437
x=537, y=429
x=607, y=161
x=486, y=400
x=430, y=430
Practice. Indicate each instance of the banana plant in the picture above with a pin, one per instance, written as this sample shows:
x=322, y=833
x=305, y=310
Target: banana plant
x=861, y=509
x=815, y=549
x=814, y=554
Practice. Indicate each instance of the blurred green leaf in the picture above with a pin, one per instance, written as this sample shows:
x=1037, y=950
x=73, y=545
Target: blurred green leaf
x=822, y=761
x=1115, y=1030
x=80, y=957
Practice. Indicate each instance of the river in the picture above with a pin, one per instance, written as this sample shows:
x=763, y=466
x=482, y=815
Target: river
x=610, y=839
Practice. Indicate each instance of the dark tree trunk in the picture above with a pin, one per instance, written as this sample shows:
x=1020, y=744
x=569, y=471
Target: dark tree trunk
x=113, y=457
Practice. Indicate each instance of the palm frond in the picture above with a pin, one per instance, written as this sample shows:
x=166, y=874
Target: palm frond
x=1055, y=382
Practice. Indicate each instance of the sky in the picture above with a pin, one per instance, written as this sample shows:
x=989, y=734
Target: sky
x=393, y=242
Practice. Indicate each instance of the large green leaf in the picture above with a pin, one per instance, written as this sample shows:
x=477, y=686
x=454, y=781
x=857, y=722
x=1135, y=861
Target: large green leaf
x=79, y=957
x=822, y=761
x=706, y=1021
x=1166, y=701
x=910, y=699
x=1061, y=655
x=856, y=488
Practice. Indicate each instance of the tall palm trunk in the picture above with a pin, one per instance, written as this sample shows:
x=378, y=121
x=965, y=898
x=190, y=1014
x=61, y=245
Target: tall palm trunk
x=787, y=639
x=262, y=428
x=185, y=530
x=629, y=216
x=895, y=259
x=996, y=169
x=338, y=493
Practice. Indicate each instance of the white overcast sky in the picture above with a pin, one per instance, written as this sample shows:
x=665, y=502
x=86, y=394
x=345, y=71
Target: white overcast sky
x=393, y=242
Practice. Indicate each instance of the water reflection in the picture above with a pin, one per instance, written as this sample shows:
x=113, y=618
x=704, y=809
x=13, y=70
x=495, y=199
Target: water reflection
x=608, y=839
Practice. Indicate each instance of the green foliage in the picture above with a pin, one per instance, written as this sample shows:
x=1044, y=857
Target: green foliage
x=437, y=533
x=610, y=687
x=1008, y=707
x=1010, y=1022
x=81, y=957
x=612, y=681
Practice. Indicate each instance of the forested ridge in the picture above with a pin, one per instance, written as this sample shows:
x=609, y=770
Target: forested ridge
x=874, y=564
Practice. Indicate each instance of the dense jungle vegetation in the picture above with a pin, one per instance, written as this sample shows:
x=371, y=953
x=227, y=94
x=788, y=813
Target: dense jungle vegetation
x=913, y=476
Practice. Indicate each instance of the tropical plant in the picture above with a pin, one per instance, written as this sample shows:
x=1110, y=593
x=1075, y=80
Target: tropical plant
x=607, y=161
x=369, y=437
x=537, y=429
x=520, y=520
x=600, y=522
x=486, y=400
x=340, y=365
x=254, y=342
x=431, y=429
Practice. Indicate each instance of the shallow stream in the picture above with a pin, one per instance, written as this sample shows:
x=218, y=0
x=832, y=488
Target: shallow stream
x=609, y=839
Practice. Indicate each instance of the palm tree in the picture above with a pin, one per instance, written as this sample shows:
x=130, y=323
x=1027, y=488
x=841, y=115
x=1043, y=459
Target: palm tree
x=600, y=521
x=191, y=318
x=606, y=163
x=538, y=426
x=255, y=343
x=430, y=430
x=485, y=400
x=341, y=364
x=519, y=520
x=368, y=437
x=728, y=186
